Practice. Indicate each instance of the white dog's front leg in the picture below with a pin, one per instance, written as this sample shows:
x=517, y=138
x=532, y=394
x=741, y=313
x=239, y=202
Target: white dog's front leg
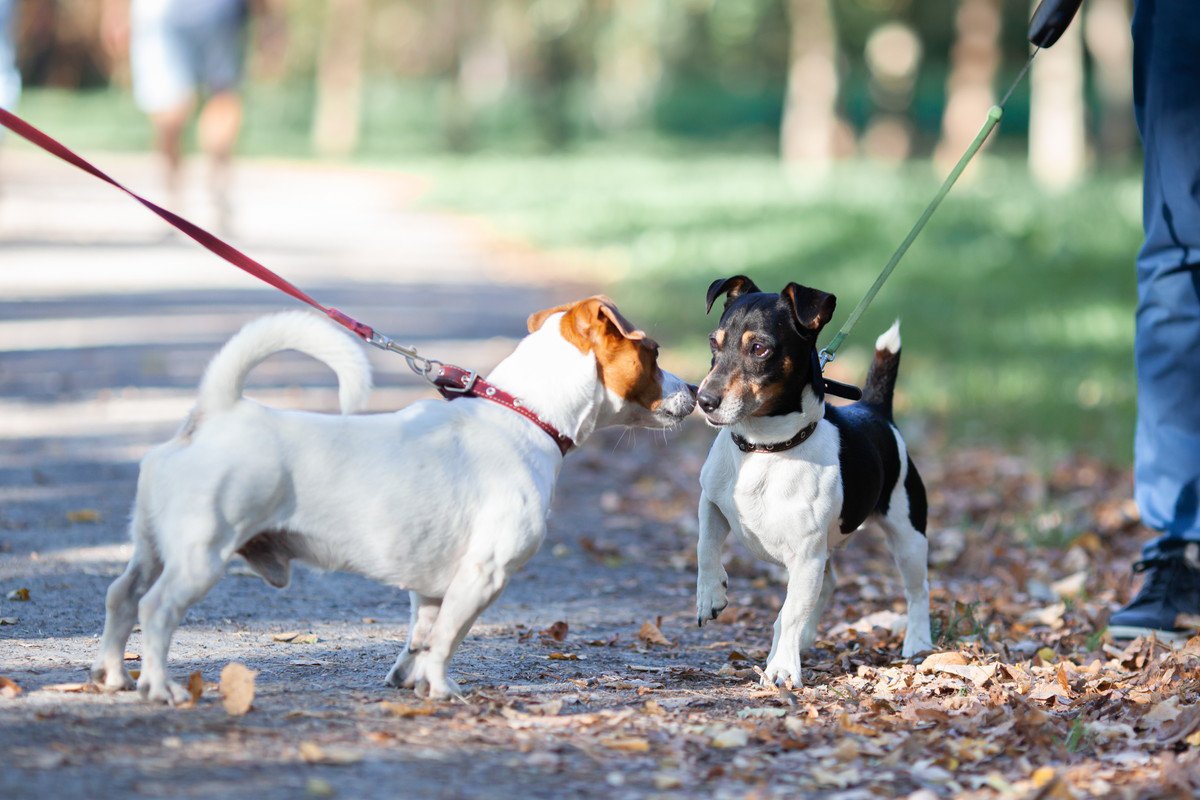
x=475, y=586
x=423, y=613
x=712, y=582
x=800, y=608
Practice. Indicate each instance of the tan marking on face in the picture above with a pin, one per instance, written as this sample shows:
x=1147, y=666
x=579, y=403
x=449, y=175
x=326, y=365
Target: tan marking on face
x=768, y=397
x=747, y=337
x=719, y=337
x=629, y=368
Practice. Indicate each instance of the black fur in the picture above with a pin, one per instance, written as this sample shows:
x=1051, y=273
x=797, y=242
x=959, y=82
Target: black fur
x=869, y=460
x=881, y=379
x=918, y=508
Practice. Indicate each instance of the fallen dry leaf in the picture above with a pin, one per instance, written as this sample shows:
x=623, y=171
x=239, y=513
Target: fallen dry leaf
x=627, y=744
x=1071, y=586
x=564, y=656
x=8, y=620
x=83, y=515
x=975, y=674
x=314, y=753
x=1050, y=615
x=1166, y=711
x=295, y=637
x=727, y=738
x=72, y=688
x=557, y=631
x=9, y=687
x=195, y=687
x=237, y=688
x=404, y=711
x=20, y=595
x=651, y=634
x=950, y=657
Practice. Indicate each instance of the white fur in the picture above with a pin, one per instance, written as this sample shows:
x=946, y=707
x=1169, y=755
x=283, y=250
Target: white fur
x=785, y=507
x=445, y=499
x=889, y=340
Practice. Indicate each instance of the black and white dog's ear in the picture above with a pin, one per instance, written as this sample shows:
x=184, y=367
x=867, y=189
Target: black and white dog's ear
x=811, y=308
x=734, y=287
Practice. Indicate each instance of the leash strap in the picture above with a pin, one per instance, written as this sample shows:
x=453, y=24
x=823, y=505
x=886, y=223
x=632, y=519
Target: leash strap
x=455, y=382
x=201, y=236
x=993, y=119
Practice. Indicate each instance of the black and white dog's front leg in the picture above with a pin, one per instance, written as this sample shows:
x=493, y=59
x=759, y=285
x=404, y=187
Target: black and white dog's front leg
x=712, y=582
x=796, y=625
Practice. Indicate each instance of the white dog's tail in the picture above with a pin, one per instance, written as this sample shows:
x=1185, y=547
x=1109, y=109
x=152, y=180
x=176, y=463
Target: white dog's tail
x=223, y=381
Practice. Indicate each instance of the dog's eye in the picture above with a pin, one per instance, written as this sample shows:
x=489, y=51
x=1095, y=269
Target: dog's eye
x=759, y=350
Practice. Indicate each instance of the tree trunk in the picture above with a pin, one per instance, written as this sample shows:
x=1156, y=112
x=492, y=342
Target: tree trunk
x=973, y=61
x=1107, y=35
x=336, y=121
x=1056, y=112
x=810, y=127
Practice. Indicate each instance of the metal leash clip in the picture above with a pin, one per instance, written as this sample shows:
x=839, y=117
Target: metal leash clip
x=417, y=363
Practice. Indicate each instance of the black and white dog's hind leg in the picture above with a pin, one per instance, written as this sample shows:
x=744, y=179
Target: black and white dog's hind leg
x=905, y=520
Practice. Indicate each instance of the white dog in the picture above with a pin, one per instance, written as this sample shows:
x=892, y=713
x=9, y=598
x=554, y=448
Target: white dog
x=446, y=500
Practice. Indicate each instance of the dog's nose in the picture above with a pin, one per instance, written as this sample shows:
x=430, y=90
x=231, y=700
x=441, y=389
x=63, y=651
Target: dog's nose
x=708, y=401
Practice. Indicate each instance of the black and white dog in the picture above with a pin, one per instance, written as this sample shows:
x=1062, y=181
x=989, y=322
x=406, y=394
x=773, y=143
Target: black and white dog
x=794, y=476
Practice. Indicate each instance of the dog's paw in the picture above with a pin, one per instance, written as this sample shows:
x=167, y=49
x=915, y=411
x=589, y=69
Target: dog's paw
x=918, y=643
x=112, y=680
x=781, y=672
x=162, y=691
x=444, y=689
x=405, y=672
x=711, y=596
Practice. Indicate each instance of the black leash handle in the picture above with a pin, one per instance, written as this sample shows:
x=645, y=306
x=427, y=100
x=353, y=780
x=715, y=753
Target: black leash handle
x=1050, y=20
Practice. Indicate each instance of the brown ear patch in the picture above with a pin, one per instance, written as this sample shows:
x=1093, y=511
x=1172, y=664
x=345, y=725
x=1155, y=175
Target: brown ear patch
x=627, y=361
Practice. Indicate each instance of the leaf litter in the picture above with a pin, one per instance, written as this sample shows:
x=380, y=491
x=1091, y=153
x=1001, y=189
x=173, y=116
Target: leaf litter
x=1023, y=696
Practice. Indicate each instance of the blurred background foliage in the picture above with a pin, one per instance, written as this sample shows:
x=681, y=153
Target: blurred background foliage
x=660, y=144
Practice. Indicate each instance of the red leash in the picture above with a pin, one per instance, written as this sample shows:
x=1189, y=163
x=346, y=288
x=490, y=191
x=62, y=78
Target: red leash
x=206, y=239
x=450, y=381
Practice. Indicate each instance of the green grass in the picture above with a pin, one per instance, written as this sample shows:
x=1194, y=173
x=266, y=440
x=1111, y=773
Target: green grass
x=1017, y=305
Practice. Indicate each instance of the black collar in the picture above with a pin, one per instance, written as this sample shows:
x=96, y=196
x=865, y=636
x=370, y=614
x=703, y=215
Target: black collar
x=773, y=447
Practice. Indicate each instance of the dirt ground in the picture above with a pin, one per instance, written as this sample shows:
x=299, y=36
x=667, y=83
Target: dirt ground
x=588, y=677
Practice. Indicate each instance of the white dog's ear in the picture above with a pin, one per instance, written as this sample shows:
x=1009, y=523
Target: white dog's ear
x=534, y=323
x=586, y=322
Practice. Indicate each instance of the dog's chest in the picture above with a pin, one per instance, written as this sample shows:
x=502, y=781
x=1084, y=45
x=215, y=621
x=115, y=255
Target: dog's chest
x=776, y=501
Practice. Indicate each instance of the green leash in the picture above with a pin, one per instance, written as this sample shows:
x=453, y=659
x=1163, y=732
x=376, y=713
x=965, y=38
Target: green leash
x=829, y=352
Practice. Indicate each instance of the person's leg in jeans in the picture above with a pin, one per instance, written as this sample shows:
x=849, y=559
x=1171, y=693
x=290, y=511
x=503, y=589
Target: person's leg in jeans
x=1167, y=345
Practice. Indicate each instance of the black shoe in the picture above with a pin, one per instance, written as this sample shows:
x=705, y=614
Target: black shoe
x=1172, y=587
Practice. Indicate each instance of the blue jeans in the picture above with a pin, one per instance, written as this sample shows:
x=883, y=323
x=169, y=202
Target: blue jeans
x=1166, y=78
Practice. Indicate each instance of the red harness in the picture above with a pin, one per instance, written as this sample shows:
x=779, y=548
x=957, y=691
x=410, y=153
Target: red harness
x=451, y=382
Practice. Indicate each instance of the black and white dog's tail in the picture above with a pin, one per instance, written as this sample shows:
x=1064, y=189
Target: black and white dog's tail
x=881, y=377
